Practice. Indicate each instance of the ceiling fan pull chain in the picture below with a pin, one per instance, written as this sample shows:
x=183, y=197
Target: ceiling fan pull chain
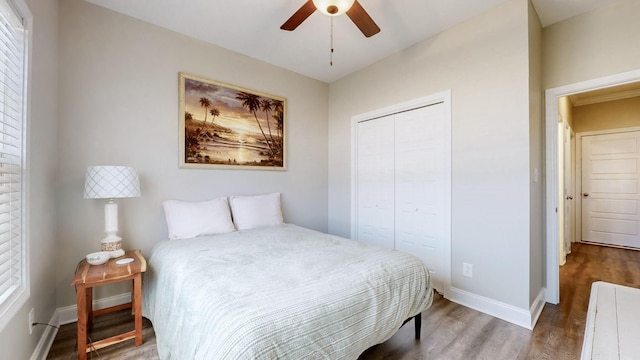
x=331, y=54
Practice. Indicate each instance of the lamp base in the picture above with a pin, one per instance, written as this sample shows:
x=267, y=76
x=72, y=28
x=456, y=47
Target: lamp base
x=112, y=244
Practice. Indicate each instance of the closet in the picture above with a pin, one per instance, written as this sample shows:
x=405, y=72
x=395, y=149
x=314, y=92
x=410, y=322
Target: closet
x=402, y=184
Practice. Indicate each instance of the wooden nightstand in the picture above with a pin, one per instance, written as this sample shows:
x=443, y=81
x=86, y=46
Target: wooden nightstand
x=89, y=276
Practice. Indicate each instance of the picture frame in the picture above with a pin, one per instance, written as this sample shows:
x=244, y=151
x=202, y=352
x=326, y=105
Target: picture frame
x=223, y=126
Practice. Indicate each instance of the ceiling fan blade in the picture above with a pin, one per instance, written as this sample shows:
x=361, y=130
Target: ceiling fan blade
x=363, y=21
x=299, y=16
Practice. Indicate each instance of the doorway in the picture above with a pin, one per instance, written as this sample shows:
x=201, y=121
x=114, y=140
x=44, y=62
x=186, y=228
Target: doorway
x=555, y=196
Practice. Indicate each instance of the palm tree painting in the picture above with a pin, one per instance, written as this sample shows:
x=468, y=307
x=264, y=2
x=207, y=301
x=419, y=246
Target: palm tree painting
x=224, y=126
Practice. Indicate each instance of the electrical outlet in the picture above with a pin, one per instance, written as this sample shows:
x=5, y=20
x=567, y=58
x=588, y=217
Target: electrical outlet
x=31, y=320
x=467, y=270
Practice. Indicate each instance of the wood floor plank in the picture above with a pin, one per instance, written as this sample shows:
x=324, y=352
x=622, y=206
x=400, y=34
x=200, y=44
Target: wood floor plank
x=449, y=331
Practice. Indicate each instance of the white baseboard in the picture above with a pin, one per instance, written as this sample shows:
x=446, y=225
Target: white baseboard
x=44, y=344
x=515, y=315
x=69, y=314
x=537, y=307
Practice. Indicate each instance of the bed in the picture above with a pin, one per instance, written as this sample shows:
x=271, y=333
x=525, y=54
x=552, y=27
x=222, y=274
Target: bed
x=278, y=292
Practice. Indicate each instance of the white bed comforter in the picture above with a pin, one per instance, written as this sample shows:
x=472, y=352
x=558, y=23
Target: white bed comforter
x=283, y=292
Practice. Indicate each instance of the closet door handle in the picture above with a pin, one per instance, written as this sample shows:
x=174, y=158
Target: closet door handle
x=585, y=194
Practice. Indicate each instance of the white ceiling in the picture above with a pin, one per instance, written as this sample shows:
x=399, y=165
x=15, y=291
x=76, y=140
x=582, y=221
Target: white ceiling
x=252, y=27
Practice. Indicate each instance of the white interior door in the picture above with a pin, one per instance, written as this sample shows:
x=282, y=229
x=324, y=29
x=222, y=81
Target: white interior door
x=610, y=189
x=375, y=182
x=420, y=186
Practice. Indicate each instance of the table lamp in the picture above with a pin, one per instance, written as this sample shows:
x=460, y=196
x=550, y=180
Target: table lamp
x=111, y=182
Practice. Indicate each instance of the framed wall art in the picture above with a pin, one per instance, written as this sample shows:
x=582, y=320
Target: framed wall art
x=225, y=126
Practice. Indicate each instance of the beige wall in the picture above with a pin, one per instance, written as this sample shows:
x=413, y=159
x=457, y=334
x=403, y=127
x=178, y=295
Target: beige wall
x=119, y=105
x=599, y=43
x=485, y=62
x=607, y=115
x=15, y=341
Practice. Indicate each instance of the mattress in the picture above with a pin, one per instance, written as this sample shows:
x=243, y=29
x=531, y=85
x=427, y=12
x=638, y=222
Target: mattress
x=282, y=292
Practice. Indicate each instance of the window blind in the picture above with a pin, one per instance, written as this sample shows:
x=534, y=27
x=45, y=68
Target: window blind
x=12, y=121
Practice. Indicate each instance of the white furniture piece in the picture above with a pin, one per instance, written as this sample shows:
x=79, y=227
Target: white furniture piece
x=613, y=323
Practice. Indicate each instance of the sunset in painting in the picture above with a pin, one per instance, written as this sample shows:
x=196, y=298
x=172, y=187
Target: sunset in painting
x=229, y=126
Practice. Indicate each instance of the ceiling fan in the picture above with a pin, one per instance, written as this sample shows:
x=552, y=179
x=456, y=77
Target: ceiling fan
x=352, y=8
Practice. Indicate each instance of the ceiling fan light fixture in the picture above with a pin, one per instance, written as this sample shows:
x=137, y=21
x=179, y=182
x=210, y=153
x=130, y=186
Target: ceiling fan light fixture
x=333, y=7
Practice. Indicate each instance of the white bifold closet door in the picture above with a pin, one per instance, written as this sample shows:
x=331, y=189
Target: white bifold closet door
x=401, y=184
x=376, y=182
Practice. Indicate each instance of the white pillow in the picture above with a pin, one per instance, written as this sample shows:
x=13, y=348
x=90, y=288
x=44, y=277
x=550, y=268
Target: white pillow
x=251, y=212
x=187, y=219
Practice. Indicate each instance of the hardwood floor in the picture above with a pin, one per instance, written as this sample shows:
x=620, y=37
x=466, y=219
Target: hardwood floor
x=449, y=331
x=65, y=345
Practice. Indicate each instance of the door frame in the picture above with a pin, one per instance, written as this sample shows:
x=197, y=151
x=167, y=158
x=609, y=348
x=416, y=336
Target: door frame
x=553, y=190
x=443, y=97
x=568, y=172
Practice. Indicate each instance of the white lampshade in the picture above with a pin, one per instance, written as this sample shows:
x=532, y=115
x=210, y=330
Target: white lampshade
x=333, y=7
x=110, y=182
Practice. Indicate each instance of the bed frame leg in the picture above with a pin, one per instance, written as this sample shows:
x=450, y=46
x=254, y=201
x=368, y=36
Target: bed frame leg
x=418, y=325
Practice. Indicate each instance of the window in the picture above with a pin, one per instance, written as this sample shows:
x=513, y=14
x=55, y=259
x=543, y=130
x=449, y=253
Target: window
x=13, y=48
